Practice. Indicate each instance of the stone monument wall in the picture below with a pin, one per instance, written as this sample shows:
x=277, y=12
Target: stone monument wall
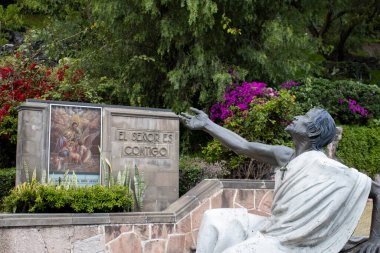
x=54, y=137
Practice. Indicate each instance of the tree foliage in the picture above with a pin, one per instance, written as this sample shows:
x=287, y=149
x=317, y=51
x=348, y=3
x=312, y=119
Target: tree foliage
x=173, y=54
x=10, y=18
x=339, y=25
x=166, y=53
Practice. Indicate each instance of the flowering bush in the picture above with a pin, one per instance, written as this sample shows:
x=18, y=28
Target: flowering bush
x=240, y=96
x=354, y=106
x=21, y=80
x=25, y=79
x=257, y=113
x=348, y=102
x=289, y=85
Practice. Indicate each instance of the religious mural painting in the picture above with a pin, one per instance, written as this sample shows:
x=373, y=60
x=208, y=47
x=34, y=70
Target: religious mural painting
x=75, y=138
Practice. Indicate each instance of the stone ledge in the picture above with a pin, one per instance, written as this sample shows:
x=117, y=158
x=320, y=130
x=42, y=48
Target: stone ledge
x=194, y=197
x=247, y=184
x=175, y=212
x=94, y=105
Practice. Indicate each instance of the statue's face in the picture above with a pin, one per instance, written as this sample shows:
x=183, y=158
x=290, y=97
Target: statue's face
x=300, y=123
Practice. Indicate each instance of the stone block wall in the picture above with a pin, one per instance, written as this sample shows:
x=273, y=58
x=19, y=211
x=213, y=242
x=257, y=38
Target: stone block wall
x=174, y=230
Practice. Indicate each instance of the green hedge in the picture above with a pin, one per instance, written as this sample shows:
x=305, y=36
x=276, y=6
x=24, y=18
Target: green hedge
x=7, y=181
x=360, y=148
x=41, y=198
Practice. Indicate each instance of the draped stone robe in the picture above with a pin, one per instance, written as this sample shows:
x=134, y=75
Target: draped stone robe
x=316, y=207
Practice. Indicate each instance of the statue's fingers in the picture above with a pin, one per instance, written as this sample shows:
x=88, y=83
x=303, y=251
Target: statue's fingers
x=195, y=110
x=182, y=118
x=188, y=116
x=185, y=120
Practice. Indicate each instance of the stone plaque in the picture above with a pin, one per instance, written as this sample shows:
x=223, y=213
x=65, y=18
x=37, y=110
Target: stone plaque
x=56, y=136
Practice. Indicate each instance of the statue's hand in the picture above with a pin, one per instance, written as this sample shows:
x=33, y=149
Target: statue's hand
x=369, y=246
x=196, y=122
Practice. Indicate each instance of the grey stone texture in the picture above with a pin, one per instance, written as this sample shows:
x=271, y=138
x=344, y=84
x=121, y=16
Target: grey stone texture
x=131, y=136
x=31, y=144
x=93, y=244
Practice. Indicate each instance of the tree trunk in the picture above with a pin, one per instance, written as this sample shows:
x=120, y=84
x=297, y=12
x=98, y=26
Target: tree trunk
x=339, y=51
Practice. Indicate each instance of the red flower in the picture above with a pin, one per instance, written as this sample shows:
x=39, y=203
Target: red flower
x=33, y=66
x=60, y=75
x=6, y=72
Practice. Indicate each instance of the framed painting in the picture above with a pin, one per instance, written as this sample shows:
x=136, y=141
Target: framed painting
x=74, y=141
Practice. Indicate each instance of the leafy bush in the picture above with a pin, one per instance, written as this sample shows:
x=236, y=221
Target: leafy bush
x=7, y=181
x=193, y=170
x=360, y=148
x=349, y=102
x=41, y=198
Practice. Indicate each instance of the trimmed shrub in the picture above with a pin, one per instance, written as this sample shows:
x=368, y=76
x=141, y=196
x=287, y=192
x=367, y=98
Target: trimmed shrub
x=41, y=198
x=7, y=181
x=360, y=148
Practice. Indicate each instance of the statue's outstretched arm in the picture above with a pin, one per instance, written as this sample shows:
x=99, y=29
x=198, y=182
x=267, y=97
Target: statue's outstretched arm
x=373, y=243
x=275, y=155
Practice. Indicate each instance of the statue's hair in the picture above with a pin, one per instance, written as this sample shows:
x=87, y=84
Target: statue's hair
x=321, y=129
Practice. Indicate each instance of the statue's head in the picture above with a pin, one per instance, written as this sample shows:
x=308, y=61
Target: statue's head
x=317, y=124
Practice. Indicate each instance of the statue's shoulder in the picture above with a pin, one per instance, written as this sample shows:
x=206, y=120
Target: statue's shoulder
x=323, y=159
x=282, y=154
x=319, y=159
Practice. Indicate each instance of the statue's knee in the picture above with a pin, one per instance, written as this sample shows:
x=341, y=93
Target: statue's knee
x=211, y=212
x=225, y=213
x=218, y=212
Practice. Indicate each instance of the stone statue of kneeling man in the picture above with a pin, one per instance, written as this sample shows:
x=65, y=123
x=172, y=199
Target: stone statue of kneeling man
x=317, y=201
